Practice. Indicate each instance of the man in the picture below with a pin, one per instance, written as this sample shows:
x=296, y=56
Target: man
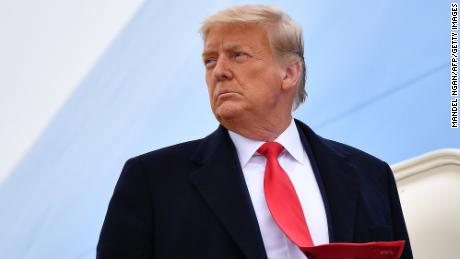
x=263, y=185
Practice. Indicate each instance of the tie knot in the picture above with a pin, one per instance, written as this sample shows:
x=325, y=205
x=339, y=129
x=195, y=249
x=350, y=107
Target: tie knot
x=270, y=149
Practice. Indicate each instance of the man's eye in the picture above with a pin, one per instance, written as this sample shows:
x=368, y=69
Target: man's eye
x=240, y=56
x=209, y=62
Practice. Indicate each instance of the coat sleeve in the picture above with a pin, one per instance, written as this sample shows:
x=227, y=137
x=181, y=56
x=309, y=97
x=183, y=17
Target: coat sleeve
x=399, y=225
x=127, y=229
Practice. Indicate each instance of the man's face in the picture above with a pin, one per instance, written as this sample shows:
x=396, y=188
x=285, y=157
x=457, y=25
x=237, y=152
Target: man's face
x=243, y=76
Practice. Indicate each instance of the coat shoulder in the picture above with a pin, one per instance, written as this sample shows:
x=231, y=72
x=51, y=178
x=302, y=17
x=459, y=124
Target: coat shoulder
x=353, y=153
x=344, y=151
x=181, y=154
x=174, y=152
x=375, y=174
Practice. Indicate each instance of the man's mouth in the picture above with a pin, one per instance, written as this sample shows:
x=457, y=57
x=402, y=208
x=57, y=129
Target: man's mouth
x=225, y=93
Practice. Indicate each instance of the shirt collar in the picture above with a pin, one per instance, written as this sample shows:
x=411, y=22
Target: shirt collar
x=289, y=139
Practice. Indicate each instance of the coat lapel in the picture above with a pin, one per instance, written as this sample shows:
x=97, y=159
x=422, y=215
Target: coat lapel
x=220, y=182
x=338, y=181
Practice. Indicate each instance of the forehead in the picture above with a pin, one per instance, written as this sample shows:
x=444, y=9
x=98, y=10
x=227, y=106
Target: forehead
x=236, y=35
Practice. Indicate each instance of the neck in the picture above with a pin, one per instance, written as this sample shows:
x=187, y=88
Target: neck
x=261, y=130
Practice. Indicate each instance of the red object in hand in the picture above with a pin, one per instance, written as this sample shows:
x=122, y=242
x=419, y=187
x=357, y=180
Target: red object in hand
x=371, y=250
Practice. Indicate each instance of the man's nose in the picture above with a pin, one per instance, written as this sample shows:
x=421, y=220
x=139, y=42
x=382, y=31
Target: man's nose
x=222, y=70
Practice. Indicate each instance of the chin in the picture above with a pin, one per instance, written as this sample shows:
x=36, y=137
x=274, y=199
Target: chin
x=228, y=112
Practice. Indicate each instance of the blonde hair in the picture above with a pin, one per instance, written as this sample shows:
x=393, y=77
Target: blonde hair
x=284, y=34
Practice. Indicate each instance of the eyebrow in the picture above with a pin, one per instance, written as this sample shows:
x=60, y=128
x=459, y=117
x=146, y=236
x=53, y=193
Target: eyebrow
x=227, y=47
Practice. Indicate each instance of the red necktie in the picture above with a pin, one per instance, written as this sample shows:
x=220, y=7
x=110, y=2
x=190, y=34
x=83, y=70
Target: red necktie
x=282, y=200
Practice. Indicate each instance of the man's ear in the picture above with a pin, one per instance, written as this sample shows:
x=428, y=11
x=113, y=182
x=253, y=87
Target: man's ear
x=292, y=73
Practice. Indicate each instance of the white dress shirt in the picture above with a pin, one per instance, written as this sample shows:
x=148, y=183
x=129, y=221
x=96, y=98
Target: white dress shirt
x=295, y=162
